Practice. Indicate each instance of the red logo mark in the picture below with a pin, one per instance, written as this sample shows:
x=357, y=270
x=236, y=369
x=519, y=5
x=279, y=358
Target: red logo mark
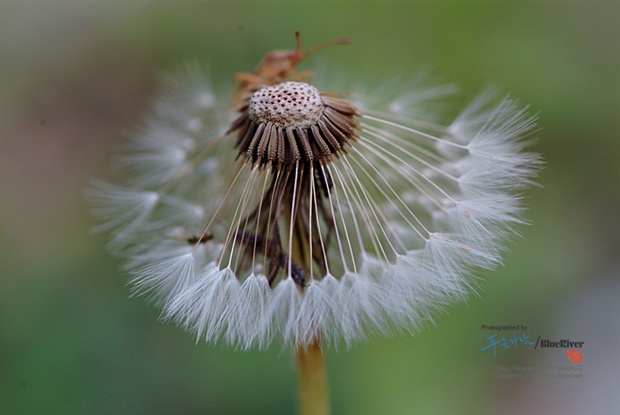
x=574, y=356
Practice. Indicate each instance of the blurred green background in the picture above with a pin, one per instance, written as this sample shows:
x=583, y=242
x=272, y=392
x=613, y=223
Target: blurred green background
x=74, y=75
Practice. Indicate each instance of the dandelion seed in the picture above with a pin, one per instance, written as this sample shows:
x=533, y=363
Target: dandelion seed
x=313, y=215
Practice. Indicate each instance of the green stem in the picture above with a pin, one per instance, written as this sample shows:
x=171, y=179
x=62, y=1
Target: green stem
x=313, y=394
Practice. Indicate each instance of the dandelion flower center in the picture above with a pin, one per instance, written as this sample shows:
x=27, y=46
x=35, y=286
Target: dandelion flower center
x=292, y=123
x=289, y=104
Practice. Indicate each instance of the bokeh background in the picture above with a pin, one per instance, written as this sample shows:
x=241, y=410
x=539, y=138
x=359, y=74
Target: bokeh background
x=75, y=75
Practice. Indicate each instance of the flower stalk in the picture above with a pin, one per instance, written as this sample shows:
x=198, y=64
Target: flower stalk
x=313, y=393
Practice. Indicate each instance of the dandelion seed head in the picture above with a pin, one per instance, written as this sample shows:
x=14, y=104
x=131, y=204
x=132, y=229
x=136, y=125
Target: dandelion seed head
x=310, y=214
x=292, y=122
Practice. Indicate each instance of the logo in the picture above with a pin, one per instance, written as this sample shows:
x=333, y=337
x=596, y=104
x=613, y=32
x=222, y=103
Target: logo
x=502, y=339
x=574, y=356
